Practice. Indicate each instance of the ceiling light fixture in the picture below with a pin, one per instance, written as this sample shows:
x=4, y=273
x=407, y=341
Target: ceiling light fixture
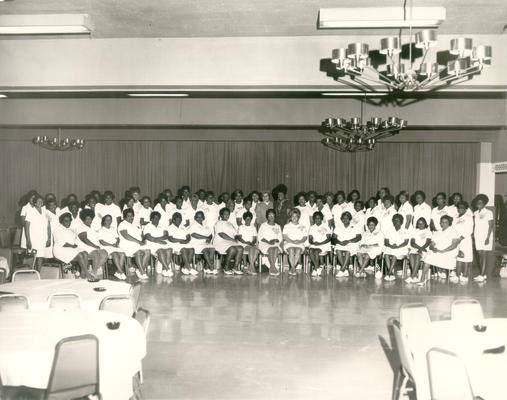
x=3, y=96
x=58, y=143
x=45, y=24
x=157, y=94
x=354, y=94
x=354, y=136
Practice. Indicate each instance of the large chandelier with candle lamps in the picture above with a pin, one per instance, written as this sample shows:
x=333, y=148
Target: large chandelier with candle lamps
x=58, y=143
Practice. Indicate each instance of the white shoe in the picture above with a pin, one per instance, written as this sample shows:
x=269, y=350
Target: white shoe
x=357, y=275
x=463, y=279
x=185, y=271
x=138, y=274
x=387, y=278
x=346, y=273
x=228, y=272
x=369, y=268
x=207, y=271
x=123, y=277
x=378, y=275
x=314, y=273
x=454, y=279
x=158, y=267
x=393, y=278
x=164, y=273
x=409, y=280
x=415, y=280
x=452, y=273
x=484, y=277
x=339, y=274
x=298, y=266
x=442, y=275
x=118, y=276
x=144, y=277
x=237, y=272
x=215, y=271
x=193, y=272
x=479, y=278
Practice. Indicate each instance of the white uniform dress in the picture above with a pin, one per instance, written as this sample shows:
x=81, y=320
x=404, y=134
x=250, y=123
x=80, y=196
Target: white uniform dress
x=127, y=246
x=200, y=244
x=295, y=232
x=109, y=235
x=374, y=239
x=328, y=215
x=386, y=219
x=39, y=232
x=406, y=209
x=66, y=235
x=53, y=221
x=144, y=213
x=178, y=232
x=211, y=213
x=464, y=225
x=397, y=237
x=156, y=232
x=24, y=211
x=422, y=210
x=91, y=235
x=338, y=210
x=347, y=233
x=481, y=219
x=306, y=215
x=358, y=219
x=110, y=209
x=247, y=232
x=221, y=244
x=436, y=214
x=319, y=233
x=420, y=237
x=269, y=232
x=165, y=215
x=442, y=240
x=239, y=210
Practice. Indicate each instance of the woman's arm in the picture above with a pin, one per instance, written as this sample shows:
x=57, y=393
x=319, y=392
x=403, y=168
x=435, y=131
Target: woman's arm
x=399, y=246
x=409, y=220
x=490, y=231
x=27, y=235
x=356, y=239
x=150, y=238
x=126, y=236
x=104, y=243
x=199, y=236
x=454, y=245
x=84, y=238
x=226, y=236
x=48, y=241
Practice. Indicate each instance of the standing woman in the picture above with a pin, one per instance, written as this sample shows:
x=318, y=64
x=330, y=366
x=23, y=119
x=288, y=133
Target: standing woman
x=464, y=225
x=346, y=237
x=305, y=211
x=282, y=208
x=133, y=244
x=352, y=197
x=396, y=240
x=419, y=243
x=327, y=210
x=405, y=208
x=439, y=211
x=38, y=231
x=28, y=201
x=178, y=208
x=156, y=240
x=65, y=247
x=443, y=249
x=202, y=236
x=247, y=236
x=179, y=241
x=223, y=198
x=145, y=211
x=421, y=208
x=110, y=241
x=382, y=192
x=483, y=230
x=74, y=211
x=370, y=247
x=164, y=210
x=256, y=198
x=387, y=211
x=270, y=240
x=91, y=204
x=110, y=208
x=211, y=210
x=261, y=209
x=295, y=234
x=52, y=215
x=358, y=215
x=340, y=207
x=225, y=242
x=320, y=242
x=239, y=208
x=90, y=241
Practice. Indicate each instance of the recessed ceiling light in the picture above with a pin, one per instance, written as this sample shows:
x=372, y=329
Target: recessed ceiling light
x=3, y=96
x=157, y=94
x=358, y=94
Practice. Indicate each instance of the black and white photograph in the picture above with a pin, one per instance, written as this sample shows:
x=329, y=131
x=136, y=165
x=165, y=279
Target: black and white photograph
x=253, y=200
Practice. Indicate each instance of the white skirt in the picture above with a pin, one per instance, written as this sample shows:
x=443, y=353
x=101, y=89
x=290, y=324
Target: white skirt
x=441, y=260
x=111, y=249
x=323, y=248
x=264, y=247
x=466, y=248
x=372, y=252
x=398, y=253
x=480, y=238
x=351, y=248
x=131, y=248
x=66, y=254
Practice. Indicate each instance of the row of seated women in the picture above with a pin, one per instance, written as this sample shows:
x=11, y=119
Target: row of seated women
x=448, y=246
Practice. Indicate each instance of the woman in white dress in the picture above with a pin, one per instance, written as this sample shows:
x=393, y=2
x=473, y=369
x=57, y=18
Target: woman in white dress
x=387, y=211
x=249, y=207
x=346, y=238
x=66, y=247
x=352, y=197
x=339, y=208
x=405, y=208
x=270, y=240
x=192, y=209
x=327, y=216
x=421, y=208
x=370, y=246
x=420, y=240
x=74, y=211
x=443, y=249
x=38, y=231
x=295, y=234
x=91, y=204
x=305, y=211
x=247, y=236
x=483, y=230
x=90, y=240
x=225, y=242
x=133, y=244
x=464, y=225
x=110, y=208
x=27, y=202
x=372, y=210
x=156, y=239
x=439, y=211
x=52, y=214
x=179, y=241
x=211, y=210
x=202, y=236
x=319, y=238
x=327, y=210
x=164, y=209
x=239, y=208
x=396, y=241
x=110, y=241
x=358, y=215
x=180, y=208
x=145, y=211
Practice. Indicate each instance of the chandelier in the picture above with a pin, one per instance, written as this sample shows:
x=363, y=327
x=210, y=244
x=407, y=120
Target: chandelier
x=58, y=143
x=354, y=136
x=354, y=63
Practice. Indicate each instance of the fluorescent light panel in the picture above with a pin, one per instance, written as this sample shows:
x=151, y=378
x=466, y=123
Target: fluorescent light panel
x=358, y=94
x=381, y=17
x=157, y=94
x=44, y=24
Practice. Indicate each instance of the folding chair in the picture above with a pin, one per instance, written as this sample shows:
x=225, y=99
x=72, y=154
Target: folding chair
x=3, y=275
x=14, y=302
x=25, y=275
x=466, y=310
x=144, y=318
x=65, y=301
x=51, y=271
x=118, y=303
x=413, y=316
x=404, y=373
x=135, y=294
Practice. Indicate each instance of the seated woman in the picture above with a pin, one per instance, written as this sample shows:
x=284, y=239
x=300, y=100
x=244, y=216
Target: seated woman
x=90, y=241
x=396, y=240
x=225, y=242
x=179, y=242
x=295, y=235
x=133, y=244
x=202, y=235
x=270, y=240
x=65, y=246
x=247, y=236
x=419, y=243
x=110, y=241
x=156, y=240
x=38, y=231
x=319, y=238
x=346, y=237
x=443, y=250
x=370, y=247
x=464, y=225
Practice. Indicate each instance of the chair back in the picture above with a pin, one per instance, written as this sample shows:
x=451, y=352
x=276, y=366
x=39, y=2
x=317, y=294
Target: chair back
x=404, y=353
x=448, y=376
x=50, y=271
x=3, y=275
x=25, y=275
x=65, y=301
x=144, y=318
x=75, y=371
x=119, y=304
x=135, y=293
x=14, y=302
x=466, y=310
x=413, y=316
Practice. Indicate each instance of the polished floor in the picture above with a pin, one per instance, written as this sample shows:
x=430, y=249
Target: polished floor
x=284, y=338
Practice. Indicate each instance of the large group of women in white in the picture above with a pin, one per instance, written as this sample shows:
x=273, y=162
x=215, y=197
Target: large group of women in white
x=333, y=228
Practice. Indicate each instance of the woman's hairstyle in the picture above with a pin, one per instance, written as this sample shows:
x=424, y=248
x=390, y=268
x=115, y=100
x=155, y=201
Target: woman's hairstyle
x=298, y=196
x=49, y=196
x=423, y=220
x=446, y=217
x=360, y=202
x=125, y=201
x=318, y=214
x=145, y=198
x=103, y=220
x=134, y=189
x=346, y=214
x=48, y=202
x=199, y=213
x=280, y=188
x=453, y=196
x=161, y=197
x=72, y=204
x=108, y=193
x=270, y=211
x=210, y=193
x=127, y=211
x=177, y=198
x=374, y=201
x=339, y=193
x=320, y=197
x=355, y=191
x=64, y=216
x=482, y=197
x=389, y=197
x=372, y=219
x=89, y=197
x=247, y=214
x=441, y=194
x=37, y=197
x=223, y=211
x=398, y=217
x=311, y=192
x=86, y=212
x=328, y=194
x=463, y=204
x=221, y=196
x=154, y=214
x=420, y=193
x=295, y=211
x=237, y=193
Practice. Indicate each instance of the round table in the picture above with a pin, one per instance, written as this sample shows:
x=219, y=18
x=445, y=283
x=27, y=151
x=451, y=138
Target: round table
x=38, y=291
x=28, y=339
x=460, y=337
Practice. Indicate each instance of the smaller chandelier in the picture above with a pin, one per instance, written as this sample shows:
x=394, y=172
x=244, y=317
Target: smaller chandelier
x=354, y=136
x=58, y=143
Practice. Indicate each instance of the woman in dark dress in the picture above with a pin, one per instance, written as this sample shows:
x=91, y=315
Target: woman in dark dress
x=282, y=207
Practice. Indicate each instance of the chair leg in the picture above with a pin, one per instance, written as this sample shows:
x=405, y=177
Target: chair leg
x=398, y=377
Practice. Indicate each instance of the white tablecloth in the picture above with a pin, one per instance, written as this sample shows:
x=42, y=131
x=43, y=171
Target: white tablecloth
x=28, y=340
x=38, y=291
x=486, y=373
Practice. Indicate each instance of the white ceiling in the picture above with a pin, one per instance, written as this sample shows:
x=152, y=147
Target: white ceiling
x=208, y=18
